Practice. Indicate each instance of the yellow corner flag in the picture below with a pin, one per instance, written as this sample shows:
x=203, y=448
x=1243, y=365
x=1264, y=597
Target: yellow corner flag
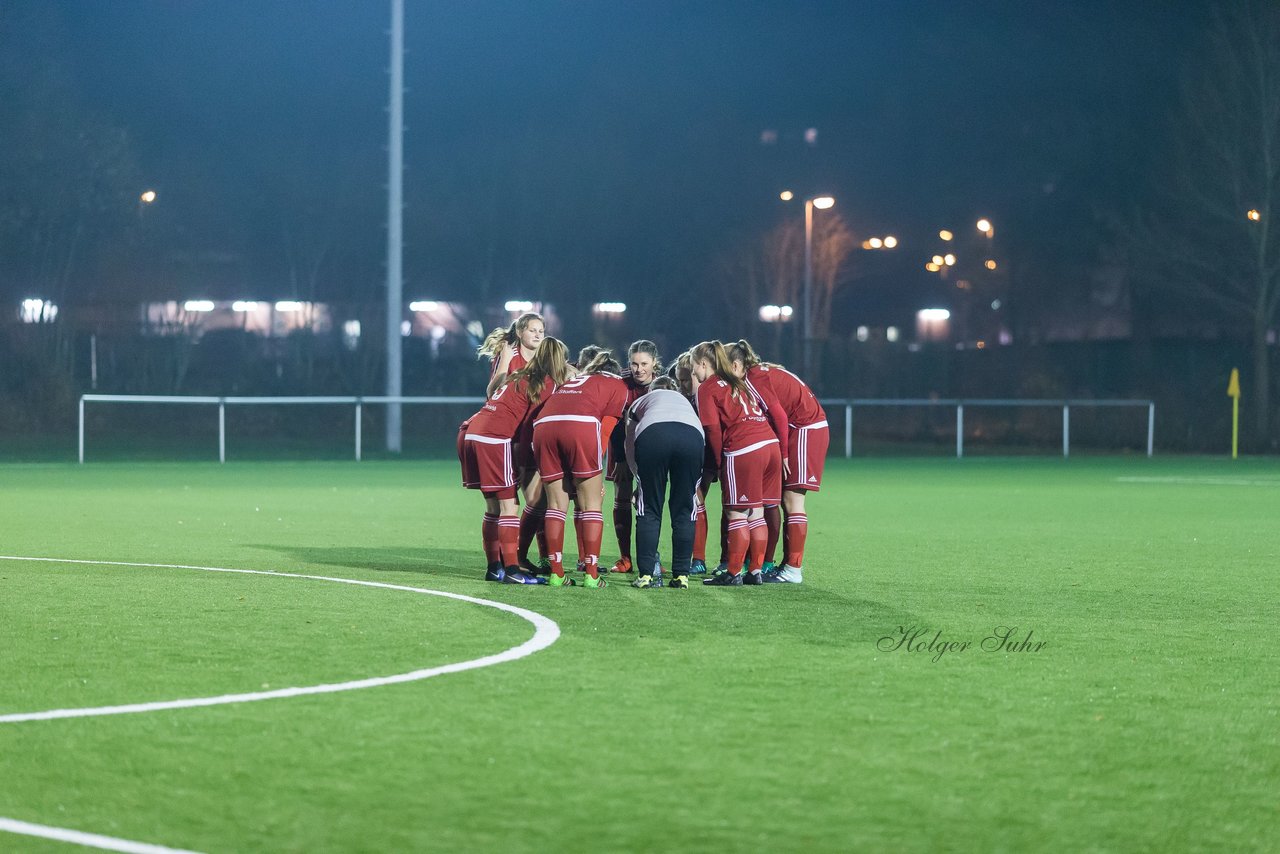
x=1233, y=392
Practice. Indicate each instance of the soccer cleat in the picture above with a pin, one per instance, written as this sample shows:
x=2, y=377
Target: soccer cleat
x=697, y=567
x=582, y=566
x=721, y=568
x=516, y=575
x=769, y=566
x=623, y=566
x=495, y=573
x=784, y=575
x=727, y=579
x=561, y=581
x=593, y=582
x=753, y=577
x=647, y=581
x=528, y=565
x=544, y=566
x=680, y=582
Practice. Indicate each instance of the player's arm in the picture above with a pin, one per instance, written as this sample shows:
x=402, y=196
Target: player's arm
x=500, y=365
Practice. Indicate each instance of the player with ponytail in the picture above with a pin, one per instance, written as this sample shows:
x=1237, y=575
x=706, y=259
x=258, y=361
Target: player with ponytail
x=745, y=432
x=804, y=457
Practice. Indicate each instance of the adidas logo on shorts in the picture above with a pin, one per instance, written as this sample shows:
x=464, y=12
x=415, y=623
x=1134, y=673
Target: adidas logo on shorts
x=813, y=479
x=742, y=498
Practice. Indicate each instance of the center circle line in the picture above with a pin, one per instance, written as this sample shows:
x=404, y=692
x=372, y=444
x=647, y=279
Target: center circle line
x=546, y=632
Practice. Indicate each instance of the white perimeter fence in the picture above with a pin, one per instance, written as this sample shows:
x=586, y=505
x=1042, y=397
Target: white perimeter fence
x=848, y=404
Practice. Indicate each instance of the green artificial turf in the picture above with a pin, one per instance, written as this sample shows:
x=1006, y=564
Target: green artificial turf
x=779, y=718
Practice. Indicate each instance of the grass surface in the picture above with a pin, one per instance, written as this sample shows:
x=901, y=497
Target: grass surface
x=753, y=719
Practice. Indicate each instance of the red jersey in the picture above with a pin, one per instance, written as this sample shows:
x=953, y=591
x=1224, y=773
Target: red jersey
x=635, y=390
x=798, y=402
x=597, y=396
x=517, y=362
x=734, y=423
x=504, y=412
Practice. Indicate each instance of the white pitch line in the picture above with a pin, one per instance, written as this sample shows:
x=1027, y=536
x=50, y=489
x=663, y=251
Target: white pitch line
x=546, y=632
x=89, y=840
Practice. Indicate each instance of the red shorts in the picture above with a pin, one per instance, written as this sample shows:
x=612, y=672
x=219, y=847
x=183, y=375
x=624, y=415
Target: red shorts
x=752, y=476
x=806, y=455
x=486, y=466
x=567, y=445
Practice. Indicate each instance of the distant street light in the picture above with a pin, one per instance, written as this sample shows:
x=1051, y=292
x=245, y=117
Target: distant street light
x=147, y=197
x=786, y=195
x=984, y=225
x=945, y=235
x=890, y=242
x=1254, y=215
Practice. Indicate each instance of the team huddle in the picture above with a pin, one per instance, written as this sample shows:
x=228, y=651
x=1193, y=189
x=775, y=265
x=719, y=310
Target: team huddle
x=719, y=415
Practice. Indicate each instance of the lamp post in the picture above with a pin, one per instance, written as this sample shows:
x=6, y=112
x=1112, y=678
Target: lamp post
x=821, y=203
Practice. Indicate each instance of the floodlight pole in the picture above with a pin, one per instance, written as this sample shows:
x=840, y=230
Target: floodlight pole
x=807, y=331
x=395, y=224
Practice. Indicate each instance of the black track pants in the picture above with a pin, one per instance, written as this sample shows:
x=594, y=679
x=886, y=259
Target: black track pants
x=667, y=452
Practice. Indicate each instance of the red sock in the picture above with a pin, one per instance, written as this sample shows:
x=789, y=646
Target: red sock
x=530, y=526
x=555, y=540
x=758, y=530
x=622, y=527
x=772, y=518
x=592, y=534
x=700, y=534
x=489, y=536
x=739, y=540
x=797, y=531
x=509, y=538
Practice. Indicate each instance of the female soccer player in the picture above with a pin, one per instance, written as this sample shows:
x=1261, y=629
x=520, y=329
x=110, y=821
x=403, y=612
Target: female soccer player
x=569, y=437
x=806, y=452
x=745, y=433
x=643, y=365
x=485, y=452
x=665, y=443
x=510, y=349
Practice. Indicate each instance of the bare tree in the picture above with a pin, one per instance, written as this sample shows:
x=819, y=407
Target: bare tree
x=771, y=270
x=1214, y=242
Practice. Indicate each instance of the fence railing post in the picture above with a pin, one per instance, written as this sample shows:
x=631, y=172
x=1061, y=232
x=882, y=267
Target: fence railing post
x=81, y=428
x=1066, y=429
x=222, y=431
x=848, y=430
x=359, y=419
x=959, y=430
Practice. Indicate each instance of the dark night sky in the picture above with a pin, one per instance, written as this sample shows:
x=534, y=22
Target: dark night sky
x=616, y=144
